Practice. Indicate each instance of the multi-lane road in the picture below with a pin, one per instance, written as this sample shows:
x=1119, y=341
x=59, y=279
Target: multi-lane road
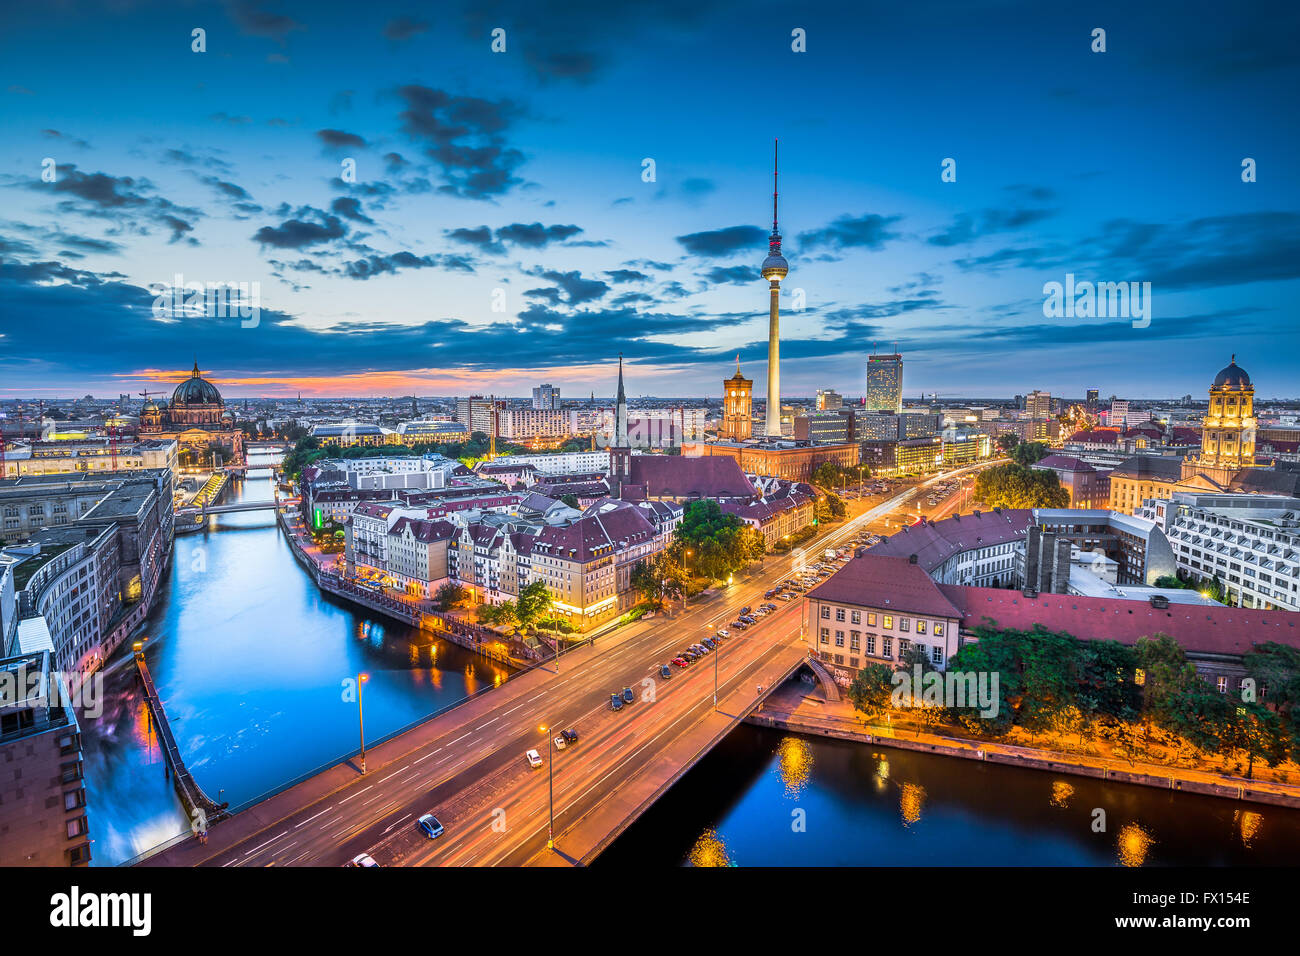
x=468, y=767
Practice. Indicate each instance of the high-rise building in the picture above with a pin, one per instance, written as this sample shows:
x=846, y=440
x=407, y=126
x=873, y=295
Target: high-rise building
x=1118, y=415
x=1039, y=405
x=546, y=397
x=884, y=383
x=828, y=400
x=775, y=268
x=475, y=413
x=1090, y=403
x=737, y=407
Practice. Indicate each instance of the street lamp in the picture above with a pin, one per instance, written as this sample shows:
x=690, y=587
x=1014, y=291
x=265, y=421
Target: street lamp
x=550, y=785
x=361, y=717
x=686, y=585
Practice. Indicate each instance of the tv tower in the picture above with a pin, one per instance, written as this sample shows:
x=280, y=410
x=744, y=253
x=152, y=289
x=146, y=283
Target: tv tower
x=775, y=268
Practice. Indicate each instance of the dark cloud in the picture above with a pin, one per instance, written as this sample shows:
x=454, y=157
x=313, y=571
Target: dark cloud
x=534, y=235
x=868, y=231
x=1025, y=207
x=403, y=28
x=577, y=290
x=626, y=275
x=338, y=139
x=252, y=18
x=731, y=275
x=463, y=135
x=63, y=137
x=479, y=237
x=719, y=243
x=349, y=207
x=308, y=228
x=124, y=199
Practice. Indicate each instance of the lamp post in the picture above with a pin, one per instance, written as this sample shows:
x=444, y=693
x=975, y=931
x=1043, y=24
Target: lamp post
x=686, y=585
x=550, y=786
x=361, y=717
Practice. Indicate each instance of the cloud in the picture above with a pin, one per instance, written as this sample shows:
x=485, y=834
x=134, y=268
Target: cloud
x=731, y=275
x=308, y=228
x=252, y=19
x=577, y=290
x=719, y=243
x=463, y=135
x=403, y=28
x=124, y=199
x=337, y=139
x=868, y=231
x=535, y=235
x=350, y=208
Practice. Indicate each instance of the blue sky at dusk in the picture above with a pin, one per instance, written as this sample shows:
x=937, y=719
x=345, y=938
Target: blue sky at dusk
x=514, y=180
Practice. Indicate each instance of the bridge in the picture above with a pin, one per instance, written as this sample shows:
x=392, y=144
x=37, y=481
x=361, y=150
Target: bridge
x=206, y=510
x=198, y=805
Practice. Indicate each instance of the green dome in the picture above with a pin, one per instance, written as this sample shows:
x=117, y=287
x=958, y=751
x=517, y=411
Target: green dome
x=195, y=391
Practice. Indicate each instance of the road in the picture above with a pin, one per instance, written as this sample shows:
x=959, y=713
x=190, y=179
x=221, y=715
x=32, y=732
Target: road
x=468, y=766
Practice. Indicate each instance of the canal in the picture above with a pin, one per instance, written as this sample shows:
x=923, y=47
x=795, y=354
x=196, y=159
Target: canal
x=250, y=661
x=768, y=798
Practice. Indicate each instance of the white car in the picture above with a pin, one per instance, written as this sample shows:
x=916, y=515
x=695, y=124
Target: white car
x=363, y=859
x=724, y=633
x=534, y=759
x=559, y=743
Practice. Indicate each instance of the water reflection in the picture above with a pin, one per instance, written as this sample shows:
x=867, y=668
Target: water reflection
x=902, y=808
x=250, y=660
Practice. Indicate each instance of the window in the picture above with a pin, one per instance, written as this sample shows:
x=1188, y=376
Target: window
x=938, y=629
x=839, y=638
x=904, y=623
x=839, y=614
x=1222, y=684
x=920, y=627
x=889, y=622
x=855, y=640
x=76, y=827
x=826, y=635
x=887, y=647
x=904, y=646
x=1140, y=677
x=871, y=644
x=826, y=612
x=856, y=617
x=936, y=655
x=871, y=619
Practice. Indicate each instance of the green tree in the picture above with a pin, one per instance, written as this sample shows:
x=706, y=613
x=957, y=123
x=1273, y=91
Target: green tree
x=572, y=501
x=1029, y=453
x=533, y=604
x=720, y=543
x=449, y=595
x=1275, y=668
x=872, y=690
x=1007, y=441
x=1015, y=486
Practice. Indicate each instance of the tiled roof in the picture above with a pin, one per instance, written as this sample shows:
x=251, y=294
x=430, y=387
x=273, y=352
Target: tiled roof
x=936, y=541
x=595, y=535
x=1199, y=629
x=683, y=476
x=1064, y=463
x=425, y=531
x=882, y=581
x=1160, y=467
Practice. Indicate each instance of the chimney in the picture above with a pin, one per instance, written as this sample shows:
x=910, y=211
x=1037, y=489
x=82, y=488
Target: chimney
x=911, y=559
x=1159, y=602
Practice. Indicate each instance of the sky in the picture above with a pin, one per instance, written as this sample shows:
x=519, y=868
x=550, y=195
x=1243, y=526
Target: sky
x=418, y=213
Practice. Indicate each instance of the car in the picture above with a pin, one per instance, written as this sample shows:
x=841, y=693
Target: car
x=739, y=625
x=768, y=594
x=749, y=619
x=363, y=859
x=745, y=610
x=759, y=612
x=724, y=633
x=787, y=597
x=628, y=696
x=615, y=702
x=709, y=642
x=559, y=742
x=770, y=606
x=665, y=671
x=699, y=649
x=681, y=662
x=690, y=655
x=430, y=826
x=570, y=736
x=534, y=758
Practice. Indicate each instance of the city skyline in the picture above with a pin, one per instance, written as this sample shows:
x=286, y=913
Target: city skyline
x=481, y=183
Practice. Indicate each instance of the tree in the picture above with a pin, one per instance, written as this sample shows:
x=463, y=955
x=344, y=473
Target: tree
x=572, y=501
x=720, y=543
x=449, y=595
x=872, y=689
x=1015, y=486
x=827, y=474
x=533, y=603
x=1275, y=668
x=1008, y=441
x=1029, y=453
x=657, y=578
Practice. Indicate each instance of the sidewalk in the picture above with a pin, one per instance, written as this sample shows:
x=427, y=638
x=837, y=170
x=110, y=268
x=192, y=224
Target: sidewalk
x=799, y=708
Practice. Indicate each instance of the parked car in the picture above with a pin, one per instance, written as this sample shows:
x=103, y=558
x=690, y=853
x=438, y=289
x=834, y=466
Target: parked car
x=787, y=597
x=690, y=655
x=628, y=696
x=430, y=826
x=534, y=758
x=739, y=625
x=363, y=859
x=724, y=633
x=749, y=619
x=709, y=643
x=615, y=702
x=768, y=594
x=745, y=610
x=665, y=671
x=570, y=735
x=681, y=661
x=770, y=607
x=559, y=743
x=699, y=649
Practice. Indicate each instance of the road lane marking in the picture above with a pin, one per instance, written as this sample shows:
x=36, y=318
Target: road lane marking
x=428, y=755
x=267, y=843
x=357, y=794
x=391, y=775
x=310, y=819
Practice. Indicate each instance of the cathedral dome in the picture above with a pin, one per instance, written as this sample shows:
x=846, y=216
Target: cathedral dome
x=195, y=391
x=1234, y=376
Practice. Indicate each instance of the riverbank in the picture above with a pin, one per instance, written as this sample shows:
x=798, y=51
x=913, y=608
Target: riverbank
x=799, y=708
